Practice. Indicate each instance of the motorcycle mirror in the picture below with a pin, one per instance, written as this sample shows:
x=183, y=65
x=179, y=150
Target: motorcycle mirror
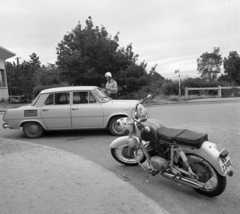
x=149, y=96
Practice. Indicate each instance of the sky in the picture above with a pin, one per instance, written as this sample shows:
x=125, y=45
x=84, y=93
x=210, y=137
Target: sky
x=169, y=33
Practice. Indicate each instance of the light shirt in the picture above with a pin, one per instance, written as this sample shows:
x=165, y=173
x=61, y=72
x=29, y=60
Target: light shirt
x=112, y=86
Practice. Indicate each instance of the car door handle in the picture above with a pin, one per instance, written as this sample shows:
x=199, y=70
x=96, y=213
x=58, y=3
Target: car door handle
x=74, y=108
x=45, y=109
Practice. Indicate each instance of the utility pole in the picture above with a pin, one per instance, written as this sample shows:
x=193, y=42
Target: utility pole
x=20, y=75
x=179, y=80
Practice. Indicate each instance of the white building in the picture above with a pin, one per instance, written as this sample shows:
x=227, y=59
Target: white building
x=4, y=54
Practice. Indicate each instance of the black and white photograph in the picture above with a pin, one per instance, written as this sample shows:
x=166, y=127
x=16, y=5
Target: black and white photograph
x=119, y=106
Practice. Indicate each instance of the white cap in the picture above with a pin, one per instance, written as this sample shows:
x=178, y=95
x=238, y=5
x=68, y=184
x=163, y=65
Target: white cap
x=108, y=74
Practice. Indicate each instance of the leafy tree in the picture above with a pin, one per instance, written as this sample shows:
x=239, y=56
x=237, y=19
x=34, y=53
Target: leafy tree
x=86, y=54
x=27, y=74
x=232, y=67
x=132, y=79
x=12, y=78
x=209, y=64
x=47, y=75
x=37, y=89
x=154, y=83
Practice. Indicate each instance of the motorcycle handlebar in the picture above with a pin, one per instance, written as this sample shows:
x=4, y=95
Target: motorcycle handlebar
x=143, y=100
x=146, y=98
x=140, y=102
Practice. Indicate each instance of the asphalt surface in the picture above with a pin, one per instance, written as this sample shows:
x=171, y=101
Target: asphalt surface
x=40, y=179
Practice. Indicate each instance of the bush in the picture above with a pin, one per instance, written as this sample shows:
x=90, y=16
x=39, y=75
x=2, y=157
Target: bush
x=172, y=88
x=129, y=96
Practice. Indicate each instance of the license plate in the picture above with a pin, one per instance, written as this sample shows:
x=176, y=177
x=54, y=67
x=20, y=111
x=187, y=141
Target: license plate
x=225, y=164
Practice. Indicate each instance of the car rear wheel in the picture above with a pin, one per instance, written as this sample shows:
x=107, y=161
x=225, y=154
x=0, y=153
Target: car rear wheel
x=32, y=130
x=115, y=129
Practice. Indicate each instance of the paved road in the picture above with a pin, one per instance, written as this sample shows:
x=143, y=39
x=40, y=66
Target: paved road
x=220, y=120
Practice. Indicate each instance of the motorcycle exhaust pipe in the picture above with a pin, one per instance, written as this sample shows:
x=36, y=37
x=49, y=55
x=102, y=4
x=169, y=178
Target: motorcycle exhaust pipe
x=185, y=181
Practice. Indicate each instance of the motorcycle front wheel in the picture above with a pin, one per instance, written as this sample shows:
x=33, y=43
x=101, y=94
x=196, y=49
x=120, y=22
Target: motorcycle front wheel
x=125, y=155
x=214, y=183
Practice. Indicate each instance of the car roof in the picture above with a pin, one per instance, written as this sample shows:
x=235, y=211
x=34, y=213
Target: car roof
x=68, y=88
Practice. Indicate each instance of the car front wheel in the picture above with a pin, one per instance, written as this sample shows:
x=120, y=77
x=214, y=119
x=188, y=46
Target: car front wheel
x=32, y=130
x=115, y=129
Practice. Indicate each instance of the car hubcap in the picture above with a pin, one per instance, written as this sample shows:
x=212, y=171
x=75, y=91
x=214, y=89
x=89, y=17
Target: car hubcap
x=32, y=129
x=117, y=128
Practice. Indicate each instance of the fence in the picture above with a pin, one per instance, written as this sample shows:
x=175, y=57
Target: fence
x=219, y=88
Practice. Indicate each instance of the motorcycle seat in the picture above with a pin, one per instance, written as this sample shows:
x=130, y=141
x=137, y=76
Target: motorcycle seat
x=183, y=137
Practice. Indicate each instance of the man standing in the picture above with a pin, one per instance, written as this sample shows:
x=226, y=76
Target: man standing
x=111, y=86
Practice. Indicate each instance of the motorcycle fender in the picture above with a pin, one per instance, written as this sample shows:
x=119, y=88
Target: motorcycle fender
x=119, y=141
x=209, y=152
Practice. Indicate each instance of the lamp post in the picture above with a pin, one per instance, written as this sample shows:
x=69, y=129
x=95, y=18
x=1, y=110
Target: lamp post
x=179, y=80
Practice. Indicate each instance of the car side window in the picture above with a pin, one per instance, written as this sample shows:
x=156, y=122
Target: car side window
x=61, y=98
x=80, y=97
x=49, y=100
x=92, y=98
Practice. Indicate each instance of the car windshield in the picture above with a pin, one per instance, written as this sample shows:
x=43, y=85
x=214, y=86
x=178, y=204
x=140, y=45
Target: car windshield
x=101, y=95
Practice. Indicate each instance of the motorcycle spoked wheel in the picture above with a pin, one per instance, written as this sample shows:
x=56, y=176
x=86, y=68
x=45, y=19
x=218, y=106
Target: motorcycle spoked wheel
x=120, y=154
x=213, y=182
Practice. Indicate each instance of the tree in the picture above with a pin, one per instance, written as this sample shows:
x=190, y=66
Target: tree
x=132, y=79
x=47, y=75
x=27, y=74
x=232, y=67
x=154, y=83
x=209, y=64
x=12, y=78
x=86, y=54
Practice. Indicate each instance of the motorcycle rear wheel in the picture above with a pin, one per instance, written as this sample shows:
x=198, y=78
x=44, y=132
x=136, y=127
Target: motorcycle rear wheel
x=120, y=155
x=214, y=183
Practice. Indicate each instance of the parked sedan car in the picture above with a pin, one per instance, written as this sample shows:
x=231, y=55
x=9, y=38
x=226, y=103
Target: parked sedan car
x=75, y=107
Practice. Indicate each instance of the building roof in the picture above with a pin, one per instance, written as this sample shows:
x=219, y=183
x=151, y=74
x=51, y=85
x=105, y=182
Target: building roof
x=5, y=54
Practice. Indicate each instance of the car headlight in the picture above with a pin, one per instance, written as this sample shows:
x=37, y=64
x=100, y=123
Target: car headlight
x=124, y=123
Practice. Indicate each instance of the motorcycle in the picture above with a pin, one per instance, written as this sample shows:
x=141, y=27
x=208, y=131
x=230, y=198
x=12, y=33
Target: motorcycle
x=181, y=155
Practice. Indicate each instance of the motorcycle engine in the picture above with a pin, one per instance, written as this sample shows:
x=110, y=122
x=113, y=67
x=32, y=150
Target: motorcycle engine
x=158, y=162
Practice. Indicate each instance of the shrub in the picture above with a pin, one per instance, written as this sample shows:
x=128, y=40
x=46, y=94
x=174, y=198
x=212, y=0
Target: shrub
x=129, y=96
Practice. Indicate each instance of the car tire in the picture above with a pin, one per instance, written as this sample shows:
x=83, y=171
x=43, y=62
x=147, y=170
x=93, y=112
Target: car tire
x=113, y=127
x=32, y=130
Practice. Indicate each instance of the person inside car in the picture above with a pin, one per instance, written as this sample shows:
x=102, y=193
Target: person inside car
x=83, y=98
